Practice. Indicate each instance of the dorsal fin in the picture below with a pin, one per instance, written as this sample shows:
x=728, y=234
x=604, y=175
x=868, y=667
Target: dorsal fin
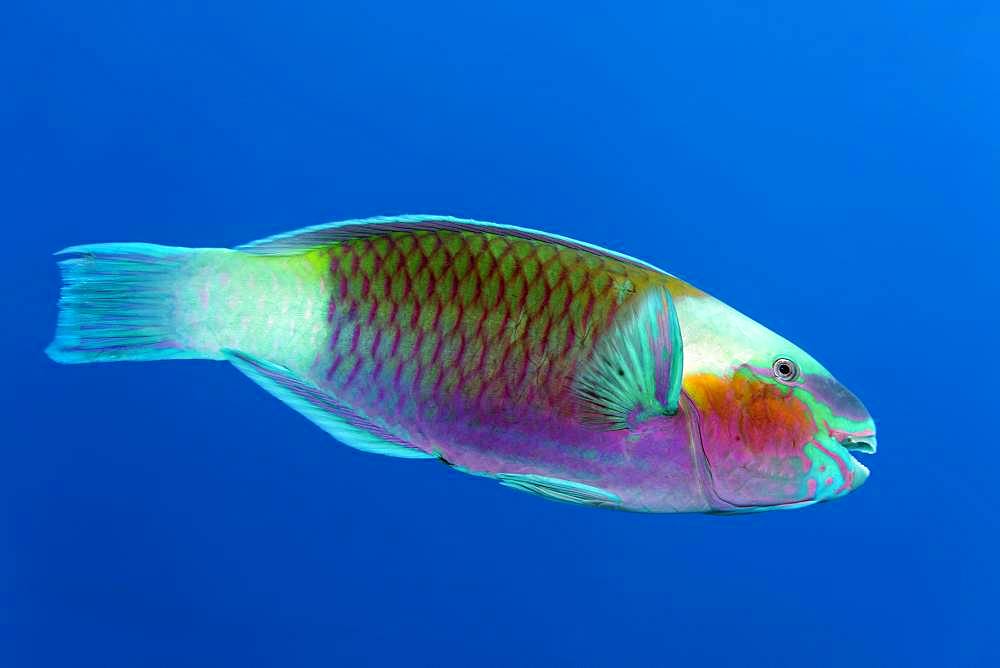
x=635, y=370
x=310, y=238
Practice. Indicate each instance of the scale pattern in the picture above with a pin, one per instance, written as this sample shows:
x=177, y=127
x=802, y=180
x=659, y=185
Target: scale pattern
x=444, y=320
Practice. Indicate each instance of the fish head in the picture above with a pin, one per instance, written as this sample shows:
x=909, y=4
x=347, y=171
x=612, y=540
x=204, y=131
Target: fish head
x=777, y=429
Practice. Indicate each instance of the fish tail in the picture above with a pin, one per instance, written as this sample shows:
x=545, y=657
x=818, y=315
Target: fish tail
x=119, y=302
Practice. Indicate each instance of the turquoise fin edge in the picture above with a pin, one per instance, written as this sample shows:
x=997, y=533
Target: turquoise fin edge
x=559, y=489
x=310, y=238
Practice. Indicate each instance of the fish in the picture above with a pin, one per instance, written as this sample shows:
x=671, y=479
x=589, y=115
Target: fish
x=550, y=365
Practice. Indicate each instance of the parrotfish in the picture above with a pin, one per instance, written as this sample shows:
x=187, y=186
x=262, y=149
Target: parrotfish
x=550, y=365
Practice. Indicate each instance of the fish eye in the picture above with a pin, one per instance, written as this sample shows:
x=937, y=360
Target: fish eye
x=785, y=369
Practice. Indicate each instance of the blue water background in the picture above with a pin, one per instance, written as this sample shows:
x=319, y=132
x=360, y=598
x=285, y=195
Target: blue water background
x=831, y=171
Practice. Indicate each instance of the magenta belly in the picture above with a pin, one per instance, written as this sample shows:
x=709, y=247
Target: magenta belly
x=656, y=466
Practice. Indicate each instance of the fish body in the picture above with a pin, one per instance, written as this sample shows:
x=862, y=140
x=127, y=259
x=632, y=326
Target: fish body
x=553, y=366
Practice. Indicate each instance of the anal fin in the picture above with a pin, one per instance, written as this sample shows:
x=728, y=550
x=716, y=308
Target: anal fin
x=342, y=422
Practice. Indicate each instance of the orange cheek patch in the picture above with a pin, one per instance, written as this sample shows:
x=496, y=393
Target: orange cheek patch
x=750, y=414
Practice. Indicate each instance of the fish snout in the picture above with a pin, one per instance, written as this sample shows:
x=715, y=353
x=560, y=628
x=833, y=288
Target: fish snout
x=863, y=441
x=852, y=427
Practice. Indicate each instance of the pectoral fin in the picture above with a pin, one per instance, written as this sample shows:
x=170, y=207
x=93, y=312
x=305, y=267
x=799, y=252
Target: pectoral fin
x=635, y=370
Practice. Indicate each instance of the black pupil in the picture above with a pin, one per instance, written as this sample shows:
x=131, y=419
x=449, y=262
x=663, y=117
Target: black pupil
x=784, y=369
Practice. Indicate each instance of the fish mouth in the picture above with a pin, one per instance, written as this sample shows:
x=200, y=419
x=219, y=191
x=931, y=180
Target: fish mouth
x=856, y=441
x=863, y=442
x=866, y=444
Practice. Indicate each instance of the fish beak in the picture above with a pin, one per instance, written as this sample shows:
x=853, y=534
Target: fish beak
x=864, y=442
x=861, y=473
x=860, y=443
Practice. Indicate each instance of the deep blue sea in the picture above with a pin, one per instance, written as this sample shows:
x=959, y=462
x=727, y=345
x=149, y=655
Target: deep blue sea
x=832, y=170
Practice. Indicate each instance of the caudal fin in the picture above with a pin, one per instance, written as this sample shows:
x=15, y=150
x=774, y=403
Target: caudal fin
x=118, y=303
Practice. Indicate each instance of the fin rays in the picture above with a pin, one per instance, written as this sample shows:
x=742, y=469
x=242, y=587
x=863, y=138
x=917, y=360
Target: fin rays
x=558, y=489
x=635, y=370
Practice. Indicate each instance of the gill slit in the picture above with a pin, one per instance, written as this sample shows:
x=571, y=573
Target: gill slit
x=704, y=480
